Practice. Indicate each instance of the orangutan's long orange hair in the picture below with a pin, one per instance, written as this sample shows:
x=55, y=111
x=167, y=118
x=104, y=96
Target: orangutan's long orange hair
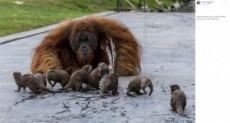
x=114, y=39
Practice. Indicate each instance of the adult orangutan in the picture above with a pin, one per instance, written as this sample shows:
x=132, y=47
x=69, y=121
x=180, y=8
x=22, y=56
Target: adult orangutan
x=91, y=40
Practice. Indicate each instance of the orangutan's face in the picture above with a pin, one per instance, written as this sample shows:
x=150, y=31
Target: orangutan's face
x=83, y=44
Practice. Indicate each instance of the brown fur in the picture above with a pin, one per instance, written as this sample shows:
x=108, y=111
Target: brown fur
x=178, y=99
x=41, y=78
x=139, y=83
x=55, y=51
x=110, y=84
x=78, y=77
x=59, y=76
x=97, y=74
x=28, y=80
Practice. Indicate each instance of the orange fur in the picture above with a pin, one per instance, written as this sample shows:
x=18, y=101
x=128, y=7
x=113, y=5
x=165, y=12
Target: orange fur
x=55, y=51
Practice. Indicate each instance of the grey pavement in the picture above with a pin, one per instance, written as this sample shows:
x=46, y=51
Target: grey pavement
x=168, y=58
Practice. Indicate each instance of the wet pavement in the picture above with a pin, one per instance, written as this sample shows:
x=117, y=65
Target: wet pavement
x=168, y=58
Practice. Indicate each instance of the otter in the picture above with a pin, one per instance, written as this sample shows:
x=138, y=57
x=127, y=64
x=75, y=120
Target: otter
x=178, y=99
x=28, y=80
x=110, y=84
x=139, y=83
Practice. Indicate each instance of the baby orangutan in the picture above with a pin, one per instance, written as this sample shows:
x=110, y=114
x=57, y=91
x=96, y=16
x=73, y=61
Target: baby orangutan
x=178, y=99
x=28, y=80
x=139, y=83
x=78, y=77
x=59, y=76
x=110, y=84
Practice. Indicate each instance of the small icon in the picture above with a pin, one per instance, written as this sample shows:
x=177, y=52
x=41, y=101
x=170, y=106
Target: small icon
x=198, y=2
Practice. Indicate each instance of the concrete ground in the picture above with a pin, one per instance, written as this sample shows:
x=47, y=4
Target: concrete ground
x=168, y=58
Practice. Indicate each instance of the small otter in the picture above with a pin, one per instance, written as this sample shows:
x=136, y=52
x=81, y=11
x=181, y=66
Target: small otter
x=41, y=78
x=178, y=99
x=96, y=75
x=110, y=84
x=59, y=76
x=78, y=77
x=139, y=83
x=20, y=84
x=28, y=80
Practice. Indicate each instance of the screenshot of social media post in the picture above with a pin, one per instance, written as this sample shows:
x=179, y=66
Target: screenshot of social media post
x=213, y=10
x=212, y=61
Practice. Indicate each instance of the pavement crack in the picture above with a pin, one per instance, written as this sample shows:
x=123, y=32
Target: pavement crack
x=86, y=98
x=89, y=100
x=104, y=104
x=123, y=113
x=65, y=106
x=86, y=106
x=23, y=100
x=114, y=100
x=2, y=115
x=67, y=110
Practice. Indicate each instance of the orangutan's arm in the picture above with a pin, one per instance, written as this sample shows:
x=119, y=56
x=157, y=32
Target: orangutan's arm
x=45, y=54
x=44, y=60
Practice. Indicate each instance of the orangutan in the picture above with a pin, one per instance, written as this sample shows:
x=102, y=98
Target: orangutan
x=75, y=43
